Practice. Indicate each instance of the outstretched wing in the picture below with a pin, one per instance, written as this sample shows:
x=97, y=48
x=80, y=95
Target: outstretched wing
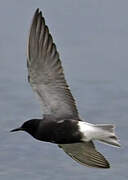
x=45, y=72
x=85, y=154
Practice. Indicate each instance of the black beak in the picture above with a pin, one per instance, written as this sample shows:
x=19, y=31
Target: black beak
x=17, y=129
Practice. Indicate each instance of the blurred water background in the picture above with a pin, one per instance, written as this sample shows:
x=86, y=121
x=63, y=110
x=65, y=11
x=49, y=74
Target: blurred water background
x=92, y=38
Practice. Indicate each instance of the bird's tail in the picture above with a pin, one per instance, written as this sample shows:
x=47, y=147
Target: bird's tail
x=101, y=132
x=107, y=134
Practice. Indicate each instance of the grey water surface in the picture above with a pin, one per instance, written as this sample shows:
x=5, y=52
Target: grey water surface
x=92, y=38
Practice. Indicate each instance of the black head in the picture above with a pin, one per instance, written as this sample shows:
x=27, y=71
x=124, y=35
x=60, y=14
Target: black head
x=29, y=126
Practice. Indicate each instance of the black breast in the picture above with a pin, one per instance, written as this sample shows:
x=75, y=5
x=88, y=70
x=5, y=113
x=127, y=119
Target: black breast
x=59, y=132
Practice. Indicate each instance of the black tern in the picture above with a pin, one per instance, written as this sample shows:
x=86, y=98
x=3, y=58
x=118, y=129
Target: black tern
x=61, y=123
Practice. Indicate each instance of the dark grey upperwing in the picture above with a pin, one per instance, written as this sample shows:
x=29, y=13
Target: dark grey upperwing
x=45, y=72
x=85, y=154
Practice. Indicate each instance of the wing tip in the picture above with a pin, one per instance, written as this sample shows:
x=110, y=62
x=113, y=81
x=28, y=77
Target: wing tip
x=37, y=14
x=37, y=11
x=105, y=166
x=92, y=164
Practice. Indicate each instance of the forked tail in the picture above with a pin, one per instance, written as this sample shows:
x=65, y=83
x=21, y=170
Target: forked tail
x=107, y=134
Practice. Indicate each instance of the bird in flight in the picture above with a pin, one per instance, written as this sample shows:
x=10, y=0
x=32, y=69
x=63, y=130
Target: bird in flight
x=61, y=123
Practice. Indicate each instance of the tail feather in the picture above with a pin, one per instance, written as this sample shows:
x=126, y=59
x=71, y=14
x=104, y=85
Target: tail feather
x=108, y=134
x=106, y=127
x=101, y=132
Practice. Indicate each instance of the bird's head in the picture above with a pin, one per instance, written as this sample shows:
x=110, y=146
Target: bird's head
x=29, y=126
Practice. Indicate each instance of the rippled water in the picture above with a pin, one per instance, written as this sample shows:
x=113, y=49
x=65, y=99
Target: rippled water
x=92, y=37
